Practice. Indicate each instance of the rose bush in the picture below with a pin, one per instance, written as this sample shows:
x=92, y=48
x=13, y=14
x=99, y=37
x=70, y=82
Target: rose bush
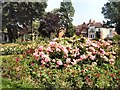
x=56, y=54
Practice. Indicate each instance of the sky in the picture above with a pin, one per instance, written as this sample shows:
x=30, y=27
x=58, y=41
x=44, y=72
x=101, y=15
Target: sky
x=84, y=10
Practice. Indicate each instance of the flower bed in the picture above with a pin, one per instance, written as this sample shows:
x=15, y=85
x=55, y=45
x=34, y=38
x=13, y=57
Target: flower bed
x=14, y=49
x=79, y=63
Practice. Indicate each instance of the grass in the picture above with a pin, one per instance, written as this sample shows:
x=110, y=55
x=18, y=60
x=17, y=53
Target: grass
x=7, y=83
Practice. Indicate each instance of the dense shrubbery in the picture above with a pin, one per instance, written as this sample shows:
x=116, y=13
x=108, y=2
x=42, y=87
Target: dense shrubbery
x=74, y=62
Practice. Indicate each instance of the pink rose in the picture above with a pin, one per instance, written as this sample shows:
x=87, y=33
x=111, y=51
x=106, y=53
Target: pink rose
x=49, y=49
x=35, y=54
x=89, y=53
x=102, y=51
x=32, y=64
x=92, y=57
x=36, y=50
x=53, y=44
x=110, y=42
x=43, y=56
x=42, y=62
x=65, y=65
x=94, y=53
x=53, y=60
x=68, y=60
x=65, y=51
x=82, y=57
x=111, y=61
x=92, y=49
x=94, y=45
x=41, y=53
x=58, y=50
x=59, y=62
x=40, y=48
x=47, y=59
x=65, y=56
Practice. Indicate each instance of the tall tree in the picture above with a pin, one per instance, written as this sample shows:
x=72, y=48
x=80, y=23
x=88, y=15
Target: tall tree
x=67, y=13
x=111, y=11
x=21, y=12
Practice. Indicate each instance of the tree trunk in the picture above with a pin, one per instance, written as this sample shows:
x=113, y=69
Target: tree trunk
x=118, y=28
x=10, y=34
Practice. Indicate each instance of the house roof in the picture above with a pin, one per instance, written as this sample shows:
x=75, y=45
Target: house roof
x=84, y=27
x=98, y=24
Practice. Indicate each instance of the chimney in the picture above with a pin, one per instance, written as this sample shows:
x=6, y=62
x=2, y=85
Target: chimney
x=93, y=21
x=90, y=21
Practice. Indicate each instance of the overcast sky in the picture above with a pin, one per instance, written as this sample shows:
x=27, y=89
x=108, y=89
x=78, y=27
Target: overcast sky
x=84, y=9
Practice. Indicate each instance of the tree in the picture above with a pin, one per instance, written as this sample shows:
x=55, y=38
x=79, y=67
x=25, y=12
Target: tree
x=67, y=13
x=49, y=24
x=57, y=18
x=111, y=11
x=21, y=12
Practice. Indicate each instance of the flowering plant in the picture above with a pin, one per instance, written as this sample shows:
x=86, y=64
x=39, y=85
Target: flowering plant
x=77, y=52
x=75, y=63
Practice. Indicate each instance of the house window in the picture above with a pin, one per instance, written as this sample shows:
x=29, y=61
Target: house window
x=92, y=36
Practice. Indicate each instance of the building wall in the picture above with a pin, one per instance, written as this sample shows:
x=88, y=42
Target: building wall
x=92, y=32
x=104, y=32
x=107, y=32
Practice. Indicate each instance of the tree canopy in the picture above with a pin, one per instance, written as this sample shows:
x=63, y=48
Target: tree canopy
x=21, y=12
x=67, y=13
x=111, y=11
x=49, y=24
x=59, y=17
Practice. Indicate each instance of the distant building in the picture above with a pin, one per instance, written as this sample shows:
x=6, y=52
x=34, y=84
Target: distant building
x=95, y=30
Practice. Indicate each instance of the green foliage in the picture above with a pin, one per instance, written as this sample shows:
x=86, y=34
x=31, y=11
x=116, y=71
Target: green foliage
x=111, y=10
x=116, y=38
x=14, y=49
x=50, y=23
x=20, y=12
x=77, y=77
x=26, y=71
x=67, y=12
x=7, y=83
